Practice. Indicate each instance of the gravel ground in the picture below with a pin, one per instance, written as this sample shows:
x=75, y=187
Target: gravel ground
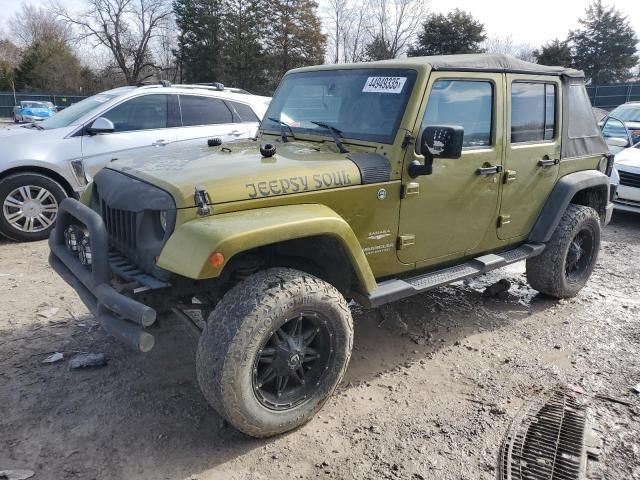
x=433, y=385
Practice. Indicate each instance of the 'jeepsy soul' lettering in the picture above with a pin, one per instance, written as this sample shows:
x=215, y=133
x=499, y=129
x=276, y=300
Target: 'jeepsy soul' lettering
x=284, y=186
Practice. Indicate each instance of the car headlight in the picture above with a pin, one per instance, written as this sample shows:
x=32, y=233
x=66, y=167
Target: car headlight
x=163, y=216
x=78, y=171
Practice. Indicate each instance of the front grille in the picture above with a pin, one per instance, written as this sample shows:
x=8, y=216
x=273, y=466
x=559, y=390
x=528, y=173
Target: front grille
x=629, y=179
x=121, y=225
x=546, y=441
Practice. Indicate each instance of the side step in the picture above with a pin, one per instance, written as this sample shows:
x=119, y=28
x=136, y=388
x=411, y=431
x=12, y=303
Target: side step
x=396, y=289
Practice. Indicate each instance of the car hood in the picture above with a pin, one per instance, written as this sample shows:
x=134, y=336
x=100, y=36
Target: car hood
x=629, y=157
x=35, y=111
x=20, y=143
x=237, y=171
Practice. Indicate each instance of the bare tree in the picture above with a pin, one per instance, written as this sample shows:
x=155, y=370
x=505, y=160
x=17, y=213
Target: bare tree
x=506, y=46
x=125, y=27
x=32, y=25
x=336, y=22
x=396, y=22
x=163, y=51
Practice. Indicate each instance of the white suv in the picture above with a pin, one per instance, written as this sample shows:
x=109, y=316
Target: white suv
x=42, y=163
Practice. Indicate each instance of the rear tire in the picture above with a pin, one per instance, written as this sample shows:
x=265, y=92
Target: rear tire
x=278, y=323
x=567, y=262
x=29, y=205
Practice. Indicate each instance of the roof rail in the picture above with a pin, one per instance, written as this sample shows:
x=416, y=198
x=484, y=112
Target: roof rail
x=146, y=83
x=216, y=85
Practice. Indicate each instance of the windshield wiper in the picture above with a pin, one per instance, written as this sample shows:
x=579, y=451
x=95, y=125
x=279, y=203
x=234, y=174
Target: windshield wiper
x=35, y=125
x=335, y=133
x=283, y=125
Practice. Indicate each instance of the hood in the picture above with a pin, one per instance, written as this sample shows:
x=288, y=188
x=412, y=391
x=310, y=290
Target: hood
x=40, y=112
x=629, y=157
x=20, y=143
x=237, y=171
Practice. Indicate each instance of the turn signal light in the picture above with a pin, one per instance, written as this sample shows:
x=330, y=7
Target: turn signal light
x=216, y=259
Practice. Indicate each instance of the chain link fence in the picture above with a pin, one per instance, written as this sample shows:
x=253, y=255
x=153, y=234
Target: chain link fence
x=609, y=97
x=8, y=100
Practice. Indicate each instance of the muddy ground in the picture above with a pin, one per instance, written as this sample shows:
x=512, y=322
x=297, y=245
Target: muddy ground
x=433, y=385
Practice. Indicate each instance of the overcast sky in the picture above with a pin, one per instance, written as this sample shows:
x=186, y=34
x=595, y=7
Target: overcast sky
x=534, y=22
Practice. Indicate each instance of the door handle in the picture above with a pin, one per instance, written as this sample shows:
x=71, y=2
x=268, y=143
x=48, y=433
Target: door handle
x=548, y=162
x=160, y=143
x=489, y=170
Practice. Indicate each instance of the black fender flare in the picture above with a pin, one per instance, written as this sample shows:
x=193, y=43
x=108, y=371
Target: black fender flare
x=561, y=195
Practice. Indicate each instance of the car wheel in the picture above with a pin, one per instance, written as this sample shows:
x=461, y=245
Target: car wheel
x=29, y=206
x=567, y=261
x=15, y=119
x=274, y=350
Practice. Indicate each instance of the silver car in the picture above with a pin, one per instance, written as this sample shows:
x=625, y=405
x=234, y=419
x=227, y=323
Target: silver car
x=42, y=163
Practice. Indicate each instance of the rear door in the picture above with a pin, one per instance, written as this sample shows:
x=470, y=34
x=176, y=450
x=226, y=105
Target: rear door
x=141, y=122
x=452, y=210
x=532, y=151
x=207, y=117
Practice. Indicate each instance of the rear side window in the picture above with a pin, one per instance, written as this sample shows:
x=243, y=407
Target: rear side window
x=245, y=112
x=198, y=110
x=462, y=102
x=148, y=112
x=533, y=112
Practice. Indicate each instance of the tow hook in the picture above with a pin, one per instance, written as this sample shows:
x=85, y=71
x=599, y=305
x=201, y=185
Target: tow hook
x=202, y=200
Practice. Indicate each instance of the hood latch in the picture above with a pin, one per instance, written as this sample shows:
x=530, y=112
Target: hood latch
x=202, y=200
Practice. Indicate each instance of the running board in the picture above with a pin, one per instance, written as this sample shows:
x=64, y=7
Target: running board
x=396, y=289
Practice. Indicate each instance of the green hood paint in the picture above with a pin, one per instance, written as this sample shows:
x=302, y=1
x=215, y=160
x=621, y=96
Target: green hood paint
x=237, y=171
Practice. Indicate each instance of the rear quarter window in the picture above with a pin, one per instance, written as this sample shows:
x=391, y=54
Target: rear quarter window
x=244, y=112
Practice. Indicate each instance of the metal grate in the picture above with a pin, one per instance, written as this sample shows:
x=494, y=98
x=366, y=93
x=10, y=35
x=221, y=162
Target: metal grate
x=546, y=441
x=121, y=225
x=629, y=179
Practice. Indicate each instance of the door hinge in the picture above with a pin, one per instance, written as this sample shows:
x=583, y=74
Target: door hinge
x=406, y=240
x=510, y=176
x=504, y=220
x=411, y=188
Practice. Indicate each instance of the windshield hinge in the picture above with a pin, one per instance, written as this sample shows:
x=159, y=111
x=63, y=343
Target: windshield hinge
x=202, y=199
x=408, y=140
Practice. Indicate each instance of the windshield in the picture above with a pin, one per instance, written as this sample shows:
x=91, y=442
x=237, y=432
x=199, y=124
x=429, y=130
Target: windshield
x=362, y=104
x=33, y=105
x=71, y=114
x=627, y=113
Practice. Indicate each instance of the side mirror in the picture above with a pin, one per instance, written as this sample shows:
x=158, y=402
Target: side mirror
x=444, y=141
x=101, y=125
x=617, y=142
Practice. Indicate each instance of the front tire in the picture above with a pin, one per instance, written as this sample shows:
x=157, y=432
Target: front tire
x=567, y=262
x=274, y=350
x=29, y=206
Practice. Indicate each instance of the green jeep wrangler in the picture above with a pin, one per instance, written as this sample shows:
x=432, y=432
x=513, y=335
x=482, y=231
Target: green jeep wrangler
x=368, y=182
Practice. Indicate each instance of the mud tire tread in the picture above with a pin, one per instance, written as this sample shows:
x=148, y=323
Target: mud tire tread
x=546, y=272
x=239, y=324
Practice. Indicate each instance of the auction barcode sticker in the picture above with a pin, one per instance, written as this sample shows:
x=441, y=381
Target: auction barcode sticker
x=384, y=84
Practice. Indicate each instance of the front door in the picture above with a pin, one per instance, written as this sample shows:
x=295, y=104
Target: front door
x=141, y=122
x=452, y=210
x=532, y=151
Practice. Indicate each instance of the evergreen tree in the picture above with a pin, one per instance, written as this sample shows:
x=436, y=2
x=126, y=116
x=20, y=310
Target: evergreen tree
x=378, y=49
x=244, y=59
x=294, y=39
x=50, y=67
x=556, y=52
x=200, y=41
x=605, y=46
x=455, y=32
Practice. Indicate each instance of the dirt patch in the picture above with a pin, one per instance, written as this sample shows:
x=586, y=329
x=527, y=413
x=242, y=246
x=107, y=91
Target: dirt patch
x=433, y=384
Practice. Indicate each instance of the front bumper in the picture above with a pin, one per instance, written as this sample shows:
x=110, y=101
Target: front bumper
x=120, y=315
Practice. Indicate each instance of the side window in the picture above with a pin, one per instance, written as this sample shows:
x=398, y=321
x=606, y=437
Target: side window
x=245, y=112
x=533, y=112
x=148, y=112
x=462, y=102
x=198, y=110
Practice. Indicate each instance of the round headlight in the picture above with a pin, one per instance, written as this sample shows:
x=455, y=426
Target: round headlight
x=163, y=220
x=84, y=251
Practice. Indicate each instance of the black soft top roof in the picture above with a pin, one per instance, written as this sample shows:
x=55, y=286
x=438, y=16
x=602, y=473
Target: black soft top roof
x=490, y=62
